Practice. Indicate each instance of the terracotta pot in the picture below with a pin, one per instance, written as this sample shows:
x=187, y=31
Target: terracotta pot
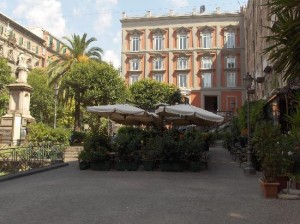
x=298, y=185
x=270, y=190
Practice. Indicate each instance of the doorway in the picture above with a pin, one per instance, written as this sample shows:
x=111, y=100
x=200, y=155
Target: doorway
x=211, y=103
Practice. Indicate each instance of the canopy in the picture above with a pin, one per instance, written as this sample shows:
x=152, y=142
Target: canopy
x=124, y=114
x=184, y=114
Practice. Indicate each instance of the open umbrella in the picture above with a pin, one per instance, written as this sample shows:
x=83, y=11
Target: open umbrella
x=185, y=114
x=124, y=114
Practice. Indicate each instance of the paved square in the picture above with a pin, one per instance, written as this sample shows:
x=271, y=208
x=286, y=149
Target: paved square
x=67, y=195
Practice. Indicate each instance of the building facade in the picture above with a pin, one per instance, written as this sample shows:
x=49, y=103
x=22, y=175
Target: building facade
x=38, y=45
x=202, y=53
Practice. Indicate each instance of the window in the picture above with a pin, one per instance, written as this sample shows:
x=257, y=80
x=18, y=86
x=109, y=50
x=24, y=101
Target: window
x=135, y=65
x=231, y=79
x=158, y=64
x=206, y=63
x=36, y=49
x=64, y=50
x=229, y=40
x=134, y=78
x=1, y=30
x=28, y=45
x=158, y=41
x=206, y=80
x=182, y=63
x=230, y=62
x=182, y=41
x=206, y=40
x=135, y=43
x=57, y=46
x=21, y=40
x=50, y=41
x=182, y=80
x=158, y=77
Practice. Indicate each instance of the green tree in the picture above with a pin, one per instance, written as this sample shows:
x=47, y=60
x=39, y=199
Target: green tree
x=42, y=96
x=5, y=79
x=148, y=93
x=77, y=50
x=284, y=50
x=93, y=83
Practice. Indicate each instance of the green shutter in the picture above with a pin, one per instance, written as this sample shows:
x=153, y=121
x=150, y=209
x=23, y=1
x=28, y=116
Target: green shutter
x=50, y=41
x=57, y=46
x=1, y=30
x=64, y=50
x=37, y=49
x=28, y=45
x=21, y=40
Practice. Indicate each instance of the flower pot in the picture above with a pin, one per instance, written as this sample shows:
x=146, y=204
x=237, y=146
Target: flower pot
x=123, y=165
x=282, y=180
x=270, y=190
x=148, y=165
x=84, y=165
x=172, y=166
x=100, y=165
x=298, y=185
x=195, y=166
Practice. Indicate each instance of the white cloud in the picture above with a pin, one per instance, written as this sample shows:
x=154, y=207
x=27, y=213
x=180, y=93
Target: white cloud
x=104, y=18
x=111, y=57
x=42, y=13
x=77, y=11
x=3, y=5
x=178, y=3
x=117, y=38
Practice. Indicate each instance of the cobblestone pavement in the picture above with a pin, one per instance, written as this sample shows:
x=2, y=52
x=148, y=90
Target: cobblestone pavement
x=67, y=195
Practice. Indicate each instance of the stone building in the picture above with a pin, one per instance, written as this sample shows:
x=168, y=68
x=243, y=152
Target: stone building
x=201, y=53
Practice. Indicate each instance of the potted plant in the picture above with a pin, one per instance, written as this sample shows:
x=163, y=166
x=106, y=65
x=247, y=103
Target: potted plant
x=194, y=149
x=172, y=154
x=84, y=159
x=273, y=151
x=127, y=145
x=97, y=144
x=150, y=152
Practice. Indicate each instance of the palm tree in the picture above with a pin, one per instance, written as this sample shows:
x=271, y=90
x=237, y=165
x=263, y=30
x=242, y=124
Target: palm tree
x=284, y=50
x=77, y=51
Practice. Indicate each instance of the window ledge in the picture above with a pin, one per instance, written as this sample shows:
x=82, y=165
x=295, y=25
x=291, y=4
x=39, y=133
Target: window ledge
x=186, y=69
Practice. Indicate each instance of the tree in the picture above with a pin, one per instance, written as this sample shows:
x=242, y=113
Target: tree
x=148, y=93
x=92, y=83
x=284, y=50
x=5, y=79
x=42, y=96
x=77, y=51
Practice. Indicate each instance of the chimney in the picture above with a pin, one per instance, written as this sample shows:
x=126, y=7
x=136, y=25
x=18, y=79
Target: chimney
x=218, y=10
x=124, y=15
x=171, y=12
x=148, y=14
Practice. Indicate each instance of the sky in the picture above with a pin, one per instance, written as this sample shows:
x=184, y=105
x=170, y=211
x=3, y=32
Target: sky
x=99, y=18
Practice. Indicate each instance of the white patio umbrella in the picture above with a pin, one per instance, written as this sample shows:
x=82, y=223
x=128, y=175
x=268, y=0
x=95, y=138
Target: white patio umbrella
x=124, y=114
x=184, y=114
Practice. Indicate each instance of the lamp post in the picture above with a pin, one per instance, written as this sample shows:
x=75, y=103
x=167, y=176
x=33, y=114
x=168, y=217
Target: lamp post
x=249, y=169
x=55, y=103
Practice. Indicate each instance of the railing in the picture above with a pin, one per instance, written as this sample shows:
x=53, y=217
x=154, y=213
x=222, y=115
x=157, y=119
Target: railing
x=13, y=160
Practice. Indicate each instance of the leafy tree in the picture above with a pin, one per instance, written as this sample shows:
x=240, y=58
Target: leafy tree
x=42, y=97
x=147, y=93
x=285, y=42
x=5, y=79
x=77, y=51
x=93, y=83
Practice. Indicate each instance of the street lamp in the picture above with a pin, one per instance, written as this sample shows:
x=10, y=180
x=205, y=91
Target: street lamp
x=249, y=169
x=55, y=103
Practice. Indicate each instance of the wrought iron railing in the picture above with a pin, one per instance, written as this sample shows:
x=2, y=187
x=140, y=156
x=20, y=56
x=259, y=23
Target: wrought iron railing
x=35, y=155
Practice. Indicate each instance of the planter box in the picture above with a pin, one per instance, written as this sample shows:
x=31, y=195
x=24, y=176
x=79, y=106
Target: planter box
x=125, y=165
x=84, y=165
x=298, y=185
x=172, y=166
x=282, y=180
x=270, y=190
x=100, y=165
x=195, y=166
x=148, y=165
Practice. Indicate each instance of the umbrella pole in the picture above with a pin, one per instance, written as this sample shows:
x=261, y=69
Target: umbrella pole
x=108, y=126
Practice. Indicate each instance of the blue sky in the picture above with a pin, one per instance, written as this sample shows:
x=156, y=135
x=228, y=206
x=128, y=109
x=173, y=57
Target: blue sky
x=99, y=18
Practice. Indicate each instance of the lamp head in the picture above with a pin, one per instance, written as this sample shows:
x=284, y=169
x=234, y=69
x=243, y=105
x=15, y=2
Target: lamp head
x=248, y=80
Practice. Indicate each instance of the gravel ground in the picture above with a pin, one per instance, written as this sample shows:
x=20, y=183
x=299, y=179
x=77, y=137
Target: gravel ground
x=221, y=194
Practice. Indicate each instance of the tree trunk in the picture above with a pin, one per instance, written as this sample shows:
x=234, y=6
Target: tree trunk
x=77, y=114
